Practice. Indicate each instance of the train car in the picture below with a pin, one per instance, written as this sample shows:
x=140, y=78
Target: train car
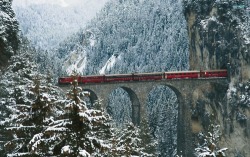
x=182, y=75
x=148, y=76
x=66, y=80
x=118, y=78
x=145, y=76
x=92, y=79
x=214, y=73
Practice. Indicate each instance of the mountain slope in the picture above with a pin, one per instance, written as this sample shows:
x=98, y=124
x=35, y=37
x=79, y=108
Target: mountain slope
x=46, y=25
x=146, y=36
x=8, y=31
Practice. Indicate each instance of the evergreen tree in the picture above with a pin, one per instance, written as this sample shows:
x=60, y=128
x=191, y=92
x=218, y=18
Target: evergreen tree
x=14, y=94
x=209, y=141
x=126, y=141
x=9, y=40
x=131, y=141
x=148, y=143
x=26, y=100
x=28, y=120
x=79, y=132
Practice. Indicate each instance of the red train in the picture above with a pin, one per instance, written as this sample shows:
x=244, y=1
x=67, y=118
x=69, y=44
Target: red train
x=145, y=76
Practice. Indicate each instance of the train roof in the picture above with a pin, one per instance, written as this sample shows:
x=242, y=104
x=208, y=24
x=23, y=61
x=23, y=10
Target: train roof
x=152, y=73
x=214, y=70
x=177, y=72
x=91, y=75
x=118, y=75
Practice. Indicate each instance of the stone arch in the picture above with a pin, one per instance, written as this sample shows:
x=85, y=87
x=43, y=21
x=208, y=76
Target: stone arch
x=174, y=89
x=184, y=135
x=179, y=95
x=135, y=105
x=162, y=115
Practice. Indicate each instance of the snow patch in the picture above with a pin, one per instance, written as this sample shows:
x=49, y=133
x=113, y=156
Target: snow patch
x=66, y=150
x=109, y=64
x=92, y=42
x=204, y=23
x=84, y=153
x=76, y=61
x=247, y=39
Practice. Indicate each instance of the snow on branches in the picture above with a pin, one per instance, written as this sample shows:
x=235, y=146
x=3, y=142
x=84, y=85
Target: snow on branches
x=208, y=146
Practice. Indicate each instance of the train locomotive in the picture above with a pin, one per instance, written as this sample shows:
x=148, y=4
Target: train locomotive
x=93, y=79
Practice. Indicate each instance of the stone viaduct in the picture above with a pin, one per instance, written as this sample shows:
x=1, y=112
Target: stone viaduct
x=138, y=93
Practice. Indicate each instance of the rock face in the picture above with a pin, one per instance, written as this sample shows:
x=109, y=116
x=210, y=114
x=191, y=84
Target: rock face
x=8, y=32
x=219, y=33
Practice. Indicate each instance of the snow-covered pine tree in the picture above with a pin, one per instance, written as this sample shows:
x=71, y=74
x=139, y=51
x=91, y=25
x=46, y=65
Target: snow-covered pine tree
x=18, y=96
x=80, y=132
x=28, y=120
x=148, y=143
x=209, y=141
x=9, y=40
x=14, y=83
x=127, y=141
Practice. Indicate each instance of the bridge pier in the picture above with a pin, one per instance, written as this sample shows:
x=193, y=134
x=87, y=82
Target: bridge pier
x=185, y=145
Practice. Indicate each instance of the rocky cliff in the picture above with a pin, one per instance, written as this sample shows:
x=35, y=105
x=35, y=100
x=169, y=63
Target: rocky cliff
x=8, y=32
x=219, y=34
